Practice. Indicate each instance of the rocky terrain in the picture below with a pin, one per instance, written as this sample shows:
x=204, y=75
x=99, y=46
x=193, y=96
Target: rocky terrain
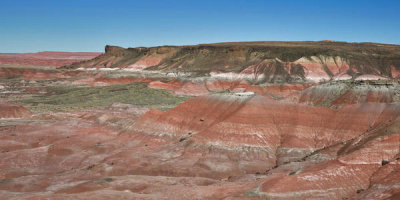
x=261, y=61
x=47, y=58
x=254, y=120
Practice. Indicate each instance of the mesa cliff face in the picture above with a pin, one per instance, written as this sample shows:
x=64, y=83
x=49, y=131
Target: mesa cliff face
x=263, y=61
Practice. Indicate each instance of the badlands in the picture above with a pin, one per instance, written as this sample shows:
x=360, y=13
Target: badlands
x=249, y=120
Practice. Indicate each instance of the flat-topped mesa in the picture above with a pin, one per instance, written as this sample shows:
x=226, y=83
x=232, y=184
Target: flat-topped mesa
x=113, y=50
x=261, y=61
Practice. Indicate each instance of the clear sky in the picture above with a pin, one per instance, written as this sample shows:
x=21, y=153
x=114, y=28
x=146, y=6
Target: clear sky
x=88, y=25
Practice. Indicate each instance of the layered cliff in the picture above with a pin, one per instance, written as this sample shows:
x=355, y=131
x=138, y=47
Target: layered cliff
x=261, y=61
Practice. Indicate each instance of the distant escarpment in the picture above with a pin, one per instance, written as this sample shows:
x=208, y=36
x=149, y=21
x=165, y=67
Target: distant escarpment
x=260, y=61
x=46, y=58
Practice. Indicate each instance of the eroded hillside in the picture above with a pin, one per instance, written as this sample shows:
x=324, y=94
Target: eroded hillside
x=255, y=120
x=261, y=61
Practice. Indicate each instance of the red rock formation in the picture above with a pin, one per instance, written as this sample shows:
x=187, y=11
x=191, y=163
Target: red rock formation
x=46, y=58
x=276, y=133
x=346, y=93
x=199, y=88
x=232, y=146
x=36, y=74
x=178, y=87
x=260, y=61
x=80, y=159
x=11, y=110
x=239, y=139
x=200, y=116
x=363, y=166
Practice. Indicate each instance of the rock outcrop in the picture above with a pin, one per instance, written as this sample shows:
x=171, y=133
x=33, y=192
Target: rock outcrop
x=261, y=61
x=238, y=145
x=12, y=110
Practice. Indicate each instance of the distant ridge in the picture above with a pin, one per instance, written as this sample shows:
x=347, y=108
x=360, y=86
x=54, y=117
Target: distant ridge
x=46, y=58
x=269, y=61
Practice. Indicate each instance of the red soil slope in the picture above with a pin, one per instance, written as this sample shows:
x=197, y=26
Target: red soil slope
x=11, y=110
x=261, y=61
x=235, y=140
x=232, y=146
x=346, y=93
x=276, y=137
x=198, y=88
x=37, y=74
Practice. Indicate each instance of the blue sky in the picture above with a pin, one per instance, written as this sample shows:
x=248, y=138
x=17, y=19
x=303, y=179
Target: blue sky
x=88, y=25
